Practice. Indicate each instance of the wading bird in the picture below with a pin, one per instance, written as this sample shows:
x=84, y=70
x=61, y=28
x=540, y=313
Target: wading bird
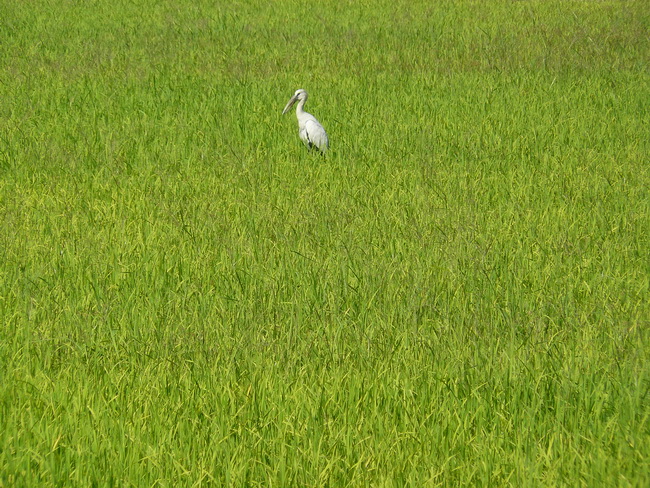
x=311, y=132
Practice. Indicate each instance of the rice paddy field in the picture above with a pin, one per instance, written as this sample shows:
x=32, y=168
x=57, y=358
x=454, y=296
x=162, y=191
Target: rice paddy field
x=457, y=294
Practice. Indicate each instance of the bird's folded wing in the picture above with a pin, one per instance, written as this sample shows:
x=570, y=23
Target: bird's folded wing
x=317, y=135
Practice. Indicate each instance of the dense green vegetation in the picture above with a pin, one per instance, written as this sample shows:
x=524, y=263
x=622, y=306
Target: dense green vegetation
x=458, y=294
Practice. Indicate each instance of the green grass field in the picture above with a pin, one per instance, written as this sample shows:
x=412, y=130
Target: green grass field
x=458, y=294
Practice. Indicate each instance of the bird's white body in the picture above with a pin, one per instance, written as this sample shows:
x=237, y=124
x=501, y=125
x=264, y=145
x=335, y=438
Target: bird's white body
x=310, y=130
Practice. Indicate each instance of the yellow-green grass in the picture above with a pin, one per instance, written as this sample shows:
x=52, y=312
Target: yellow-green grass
x=458, y=294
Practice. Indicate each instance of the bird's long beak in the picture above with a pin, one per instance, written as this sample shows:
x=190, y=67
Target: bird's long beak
x=289, y=104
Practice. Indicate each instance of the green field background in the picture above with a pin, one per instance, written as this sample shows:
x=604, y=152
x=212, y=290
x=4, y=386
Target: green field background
x=458, y=294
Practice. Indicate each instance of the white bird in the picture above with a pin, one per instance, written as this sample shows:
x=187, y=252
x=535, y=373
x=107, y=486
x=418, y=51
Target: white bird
x=311, y=131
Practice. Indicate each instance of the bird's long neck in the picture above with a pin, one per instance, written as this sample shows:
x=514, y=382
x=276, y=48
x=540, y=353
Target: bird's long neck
x=300, y=108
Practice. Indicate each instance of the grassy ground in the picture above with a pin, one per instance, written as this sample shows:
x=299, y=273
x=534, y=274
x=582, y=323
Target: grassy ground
x=457, y=295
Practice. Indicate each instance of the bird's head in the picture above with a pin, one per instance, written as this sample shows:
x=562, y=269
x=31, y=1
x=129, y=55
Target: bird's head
x=299, y=95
